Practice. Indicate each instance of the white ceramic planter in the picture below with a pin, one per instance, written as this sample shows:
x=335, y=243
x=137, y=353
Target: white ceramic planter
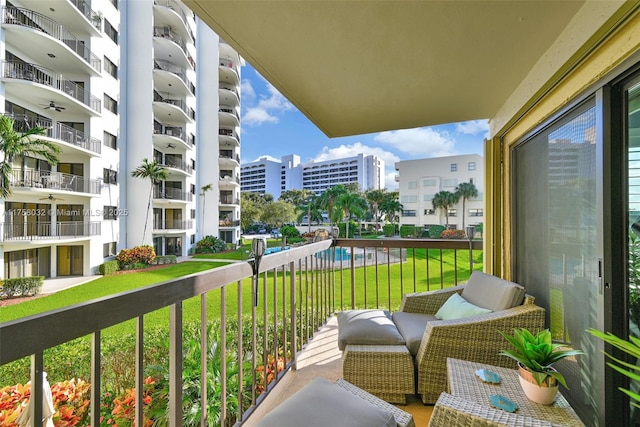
x=544, y=395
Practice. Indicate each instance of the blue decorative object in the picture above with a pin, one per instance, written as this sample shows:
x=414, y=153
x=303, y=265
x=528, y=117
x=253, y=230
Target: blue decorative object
x=488, y=376
x=503, y=403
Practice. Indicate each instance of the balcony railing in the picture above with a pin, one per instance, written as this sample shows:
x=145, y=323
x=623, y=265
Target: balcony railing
x=229, y=111
x=229, y=200
x=48, y=230
x=181, y=104
x=38, y=74
x=53, y=181
x=175, y=164
x=228, y=223
x=167, y=33
x=228, y=132
x=225, y=155
x=227, y=178
x=85, y=9
x=60, y=131
x=293, y=294
x=175, y=131
x=172, y=194
x=31, y=19
x=173, y=5
x=175, y=224
x=164, y=65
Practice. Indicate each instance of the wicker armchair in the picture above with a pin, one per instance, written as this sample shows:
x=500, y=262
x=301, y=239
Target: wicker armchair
x=473, y=338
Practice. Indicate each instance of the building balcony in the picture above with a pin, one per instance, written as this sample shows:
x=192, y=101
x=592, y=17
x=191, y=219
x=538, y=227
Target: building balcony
x=169, y=44
x=228, y=71
x=171, y=14
x=46, y=37
x=229, y=160
x=171, y=137
x=168, y=110
x=318, y=283
x=174, y=224
x=229, y=138
x=175, y=164
x=228, y=95
x=228, y=223
x=171, y=78
x=77, y=16
x=228, y=116
x=52, y=182
x=229, y=200
x=171, y=194
x=71, y=140
x=39, y=83
x=12, y=231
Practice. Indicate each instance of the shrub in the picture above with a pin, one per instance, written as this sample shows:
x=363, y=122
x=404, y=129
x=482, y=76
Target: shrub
x=139, y=255
x=289, y=231
x=389, y=230
x=21, y=286
x=453, y=234
x=293, y=240
x=109, y=267
x=166, y=259
x=353, y=226
x=210, y=245
x=435, y=231
x=407, y=231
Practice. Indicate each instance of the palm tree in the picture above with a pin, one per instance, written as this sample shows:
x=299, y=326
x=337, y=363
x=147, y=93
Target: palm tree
x=203, y=193
x=466, y=190
x=350, y=204
x=309, y=206
x=375, y=198
x=390, y=206
x=444, y=200
x=155, y=173
x=328, y=199
x=14, y=144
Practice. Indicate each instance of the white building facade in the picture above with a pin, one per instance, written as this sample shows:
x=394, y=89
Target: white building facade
x=273, y=177
x=114, y=83
x=419, y=180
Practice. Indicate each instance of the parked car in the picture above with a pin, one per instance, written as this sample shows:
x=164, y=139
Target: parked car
x=262, y=231
x=275, y=233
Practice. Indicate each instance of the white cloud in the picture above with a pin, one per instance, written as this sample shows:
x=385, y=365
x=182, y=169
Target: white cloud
x=390, y=181
x=268, y=107
x=473, y=127
x=266, y=157
x=423, y=142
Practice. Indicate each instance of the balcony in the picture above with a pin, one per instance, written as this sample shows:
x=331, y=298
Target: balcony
x=169, y=44
x=229, y=200
x=12, y=231
x=50, y=181
x=171, y=77
x=72, y=138
x=228, y=137
x=170, y=12
x=171, y=162
x=173, y=224
x=313, y=281
x=171, y=137
x=228, y=94
x=228, y=116
x=228, y=71
x=65, y=88
x=173, y=194
x=165, y=108
x=74, y=47
x=228, y=223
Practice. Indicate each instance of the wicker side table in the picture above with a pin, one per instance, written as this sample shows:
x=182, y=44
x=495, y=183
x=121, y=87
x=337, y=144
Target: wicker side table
x=464, y=385
x=386, y=371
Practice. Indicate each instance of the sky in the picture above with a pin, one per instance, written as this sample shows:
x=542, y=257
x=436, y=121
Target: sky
x=271, y=126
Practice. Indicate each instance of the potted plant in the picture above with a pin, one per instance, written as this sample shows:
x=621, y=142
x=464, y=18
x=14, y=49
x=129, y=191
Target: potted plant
x=536, y=354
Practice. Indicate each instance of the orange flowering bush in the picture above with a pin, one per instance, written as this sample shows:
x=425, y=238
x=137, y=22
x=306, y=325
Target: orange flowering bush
x=121, y=410
x=453, y=234
x=139, y=255
x=273, y=368
x=70, y=401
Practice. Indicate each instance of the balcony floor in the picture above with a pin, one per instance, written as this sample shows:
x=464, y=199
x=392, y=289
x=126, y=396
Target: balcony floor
x=322, y=358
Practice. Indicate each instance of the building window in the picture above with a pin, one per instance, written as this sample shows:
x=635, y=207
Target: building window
x=472, y=166
x=454, y=167
x=476, y=212
x=409, y=212
x=452, y=212
x=431, y=182
x=110, y=31
x=110, y=140
x=412, y=185
x=428, y=197
x=193, y=189
x=110, y=104
x=115, y=3
x=109, y=249
x=408, y=199
x=110, y=176
x=193, y=163
x=110, y=212
x=193, y=214
x=429, y=212
x=110, y=68
x=193, y=239
x=449, y=182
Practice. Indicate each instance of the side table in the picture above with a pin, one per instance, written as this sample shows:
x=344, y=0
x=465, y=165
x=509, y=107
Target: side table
x=465, y=386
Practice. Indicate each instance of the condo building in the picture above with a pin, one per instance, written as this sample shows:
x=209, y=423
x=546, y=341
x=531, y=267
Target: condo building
x=267, y=175
x=421, y=179
x=114, y=83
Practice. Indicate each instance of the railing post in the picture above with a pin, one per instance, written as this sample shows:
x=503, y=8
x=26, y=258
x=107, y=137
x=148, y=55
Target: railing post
x=175, y=365
x=294, y=314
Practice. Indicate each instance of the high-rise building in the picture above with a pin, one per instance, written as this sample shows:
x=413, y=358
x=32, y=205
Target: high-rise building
x=421, y=179
x=115, y=83
x=272, y=176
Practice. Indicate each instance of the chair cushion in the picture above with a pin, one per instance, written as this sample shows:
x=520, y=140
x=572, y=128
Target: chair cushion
x=322, y=403
x=494, y=293
x=457, y=307
x=411, y=327
x=367, y=327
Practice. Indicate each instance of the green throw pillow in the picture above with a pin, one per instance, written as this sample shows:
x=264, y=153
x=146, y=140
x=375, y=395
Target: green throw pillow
x=457, y=307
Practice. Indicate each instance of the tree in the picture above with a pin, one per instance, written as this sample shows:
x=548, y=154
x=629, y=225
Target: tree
x=296, y=197
x=444, y=200
x=466, y=190
x=375, y=198
x=154, y=172
x=350, y=204
x=14, y=144
x=309, y=206
x=327, y=201
x=278, y=213
x=391, y=205
x=250, y=210
x=203, y=192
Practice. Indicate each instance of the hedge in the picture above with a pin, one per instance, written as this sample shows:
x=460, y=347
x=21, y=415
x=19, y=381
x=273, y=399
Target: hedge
x=435, y=231
x=108, y=267
x=407, y=230
x=389, y=230
x=166, y=259
x=21, y=286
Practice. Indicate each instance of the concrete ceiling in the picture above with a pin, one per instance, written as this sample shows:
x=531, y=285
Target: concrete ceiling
x=355, y=67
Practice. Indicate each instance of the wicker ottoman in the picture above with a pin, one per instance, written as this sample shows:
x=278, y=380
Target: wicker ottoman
x=386, y=371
